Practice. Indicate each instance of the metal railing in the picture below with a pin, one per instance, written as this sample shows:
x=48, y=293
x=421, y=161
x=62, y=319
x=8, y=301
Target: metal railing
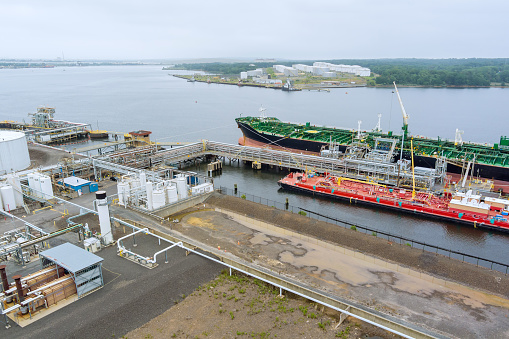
x=451, y=254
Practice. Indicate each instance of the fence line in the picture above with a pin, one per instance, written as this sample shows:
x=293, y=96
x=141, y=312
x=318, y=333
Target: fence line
x=464, y=257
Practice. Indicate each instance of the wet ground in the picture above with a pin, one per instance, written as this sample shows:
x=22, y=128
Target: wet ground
x=459, y=300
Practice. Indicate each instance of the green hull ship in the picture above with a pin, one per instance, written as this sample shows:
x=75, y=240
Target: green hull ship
x=481, y=160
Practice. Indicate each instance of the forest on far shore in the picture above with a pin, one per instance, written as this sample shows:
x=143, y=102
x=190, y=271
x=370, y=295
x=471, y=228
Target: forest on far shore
x=473, y=72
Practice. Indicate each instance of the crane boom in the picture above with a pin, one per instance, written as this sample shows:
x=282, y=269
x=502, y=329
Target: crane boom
x=405, y=116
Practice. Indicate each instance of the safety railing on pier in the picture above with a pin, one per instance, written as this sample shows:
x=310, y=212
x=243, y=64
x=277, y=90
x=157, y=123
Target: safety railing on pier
x=450, y=253
x=384, y=173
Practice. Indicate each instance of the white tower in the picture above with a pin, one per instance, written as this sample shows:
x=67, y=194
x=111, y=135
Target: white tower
x=104, y=216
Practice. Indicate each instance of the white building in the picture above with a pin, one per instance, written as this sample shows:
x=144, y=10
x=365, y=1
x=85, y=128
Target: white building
x=243, y=75
x=268, y=81
x=287, y=71
x=352, y=69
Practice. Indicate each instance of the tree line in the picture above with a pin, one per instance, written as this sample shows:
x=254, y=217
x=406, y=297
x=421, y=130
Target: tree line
x=437, y=72
x=421, y=72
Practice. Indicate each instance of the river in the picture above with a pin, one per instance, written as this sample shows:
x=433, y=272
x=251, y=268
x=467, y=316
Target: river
x=128, y=98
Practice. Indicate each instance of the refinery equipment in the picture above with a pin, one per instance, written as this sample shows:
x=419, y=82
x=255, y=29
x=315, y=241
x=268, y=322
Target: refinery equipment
x=67, y=272
x=135, y=191
x=104, y=217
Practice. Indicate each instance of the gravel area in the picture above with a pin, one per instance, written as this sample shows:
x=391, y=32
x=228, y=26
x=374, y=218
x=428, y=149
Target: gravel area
x=434, y=264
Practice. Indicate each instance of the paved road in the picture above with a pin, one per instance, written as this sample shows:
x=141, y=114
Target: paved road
x=132, y=295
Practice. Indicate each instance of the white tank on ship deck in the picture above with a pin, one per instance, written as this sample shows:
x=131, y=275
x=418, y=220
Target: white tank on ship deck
x=13, y=152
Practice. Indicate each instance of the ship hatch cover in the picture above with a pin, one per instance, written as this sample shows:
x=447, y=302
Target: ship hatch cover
x=312, y=131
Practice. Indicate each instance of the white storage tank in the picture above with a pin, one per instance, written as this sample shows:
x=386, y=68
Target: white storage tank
x=149, y=189
x=46, y=187
x=158, y=198
x=123, y=192
x=181, y=187
x=35, y=185
x=7, y=193
x=13, y=180
x=202, y=188
x=171, y=194
x=13, y=152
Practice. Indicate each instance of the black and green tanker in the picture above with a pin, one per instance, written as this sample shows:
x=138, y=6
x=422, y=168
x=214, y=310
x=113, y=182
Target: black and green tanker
x=490, y=161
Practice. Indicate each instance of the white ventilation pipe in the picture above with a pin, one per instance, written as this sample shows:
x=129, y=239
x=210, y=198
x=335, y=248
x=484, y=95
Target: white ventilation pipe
x=104, y=217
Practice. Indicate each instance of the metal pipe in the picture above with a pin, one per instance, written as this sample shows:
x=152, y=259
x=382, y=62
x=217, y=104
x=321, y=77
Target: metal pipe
x=5, y=282
x=49, y=285
x=19, y=288
x=161, y=251
x=127, y=236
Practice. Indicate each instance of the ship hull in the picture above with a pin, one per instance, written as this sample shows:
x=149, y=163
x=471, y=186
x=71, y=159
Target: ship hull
x=408, y=208
x=315, y=147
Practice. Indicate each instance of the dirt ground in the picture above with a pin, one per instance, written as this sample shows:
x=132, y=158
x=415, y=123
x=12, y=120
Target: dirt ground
x=45, y=156
x=240, y=307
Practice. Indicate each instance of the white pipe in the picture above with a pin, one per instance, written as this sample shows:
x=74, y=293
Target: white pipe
x=10, y=309
x=46, y=270
x=49, y=285
x=131, y=234
x=161, y=251
x=26, y=301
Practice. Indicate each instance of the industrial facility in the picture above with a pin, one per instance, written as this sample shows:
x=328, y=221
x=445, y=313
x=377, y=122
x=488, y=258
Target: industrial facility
x=329, y=70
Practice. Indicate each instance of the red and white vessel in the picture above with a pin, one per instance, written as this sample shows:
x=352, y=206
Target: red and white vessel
x=471, y=207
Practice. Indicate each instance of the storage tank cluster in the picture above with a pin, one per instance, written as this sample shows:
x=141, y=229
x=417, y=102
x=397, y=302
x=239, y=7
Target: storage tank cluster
x=327, y=69
x=158, y=194
x=41, y=185
x=11, y=196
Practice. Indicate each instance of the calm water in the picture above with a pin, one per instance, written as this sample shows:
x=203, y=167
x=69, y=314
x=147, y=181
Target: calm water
x=145, y=97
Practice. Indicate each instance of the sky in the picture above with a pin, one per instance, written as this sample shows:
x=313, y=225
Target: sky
x=281, y=29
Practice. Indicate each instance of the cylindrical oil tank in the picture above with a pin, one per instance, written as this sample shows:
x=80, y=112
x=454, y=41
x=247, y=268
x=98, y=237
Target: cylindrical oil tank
x=35, y=185
x=13, y=180
x=149, y=189
x=13, y=152
x=171, y=194
x=46, y=187
x=158, y=198
x=8, y=200
x=181, y=187
x=123, y=192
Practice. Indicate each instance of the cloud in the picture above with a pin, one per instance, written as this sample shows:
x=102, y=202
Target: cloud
x=285, y=29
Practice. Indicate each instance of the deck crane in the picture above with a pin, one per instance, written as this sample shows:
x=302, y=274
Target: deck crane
x=405, y=116
x=405, y=120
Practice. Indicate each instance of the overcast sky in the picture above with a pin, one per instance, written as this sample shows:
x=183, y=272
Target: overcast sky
x=297, y=29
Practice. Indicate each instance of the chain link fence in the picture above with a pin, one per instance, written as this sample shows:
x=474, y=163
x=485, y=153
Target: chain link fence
x=472, y=259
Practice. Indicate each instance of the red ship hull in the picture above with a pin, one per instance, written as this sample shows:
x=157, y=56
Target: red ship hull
x=365, y=193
